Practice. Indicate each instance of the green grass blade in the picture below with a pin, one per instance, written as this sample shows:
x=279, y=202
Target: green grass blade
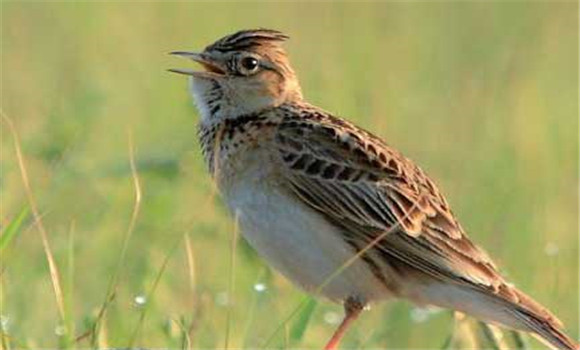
x=150, y=294
x=13, y=228
x=488, y=334
x=519, y=340
x=447, y=343
x=301, y=323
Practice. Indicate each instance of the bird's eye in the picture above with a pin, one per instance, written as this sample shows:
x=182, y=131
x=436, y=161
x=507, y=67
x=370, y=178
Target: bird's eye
x=249, y=65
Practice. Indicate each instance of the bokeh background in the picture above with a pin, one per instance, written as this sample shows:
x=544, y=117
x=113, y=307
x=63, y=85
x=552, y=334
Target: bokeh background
x=484, y=95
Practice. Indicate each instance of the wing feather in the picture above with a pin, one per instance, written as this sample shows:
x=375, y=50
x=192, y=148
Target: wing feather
x=367, y=188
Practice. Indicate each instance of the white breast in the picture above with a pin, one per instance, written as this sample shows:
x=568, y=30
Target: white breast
x=297, y=241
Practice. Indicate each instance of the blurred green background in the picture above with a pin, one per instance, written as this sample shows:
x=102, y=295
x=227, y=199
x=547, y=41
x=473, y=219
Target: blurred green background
x=482, y=94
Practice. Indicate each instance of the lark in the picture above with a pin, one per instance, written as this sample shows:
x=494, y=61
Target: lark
x=331, y=206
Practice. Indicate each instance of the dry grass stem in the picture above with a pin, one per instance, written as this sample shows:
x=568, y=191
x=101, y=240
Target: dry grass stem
x=231, y=281
x=135, y=214
x=53, y=268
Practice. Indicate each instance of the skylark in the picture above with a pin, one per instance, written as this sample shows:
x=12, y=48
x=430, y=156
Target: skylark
x=330, y=205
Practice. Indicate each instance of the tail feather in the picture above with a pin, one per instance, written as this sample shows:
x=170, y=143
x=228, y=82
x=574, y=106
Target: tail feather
x=505, y=306
x=545, y=330
x=539, y=320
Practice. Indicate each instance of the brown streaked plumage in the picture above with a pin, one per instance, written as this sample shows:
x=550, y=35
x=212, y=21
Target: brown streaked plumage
x=312, y=191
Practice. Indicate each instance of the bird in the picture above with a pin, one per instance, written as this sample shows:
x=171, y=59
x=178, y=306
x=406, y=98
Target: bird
x=330, y=205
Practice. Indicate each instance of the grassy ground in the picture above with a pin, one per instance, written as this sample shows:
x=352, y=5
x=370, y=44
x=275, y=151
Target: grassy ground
x=483, y=95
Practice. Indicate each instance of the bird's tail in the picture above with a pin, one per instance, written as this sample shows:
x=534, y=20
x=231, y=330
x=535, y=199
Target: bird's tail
x=506, y=306
x=533, y=317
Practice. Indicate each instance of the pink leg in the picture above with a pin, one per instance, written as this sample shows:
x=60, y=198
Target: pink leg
x=352, y=308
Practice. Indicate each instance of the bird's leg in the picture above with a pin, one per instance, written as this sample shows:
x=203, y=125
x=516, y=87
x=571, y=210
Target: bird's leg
x=352, y=308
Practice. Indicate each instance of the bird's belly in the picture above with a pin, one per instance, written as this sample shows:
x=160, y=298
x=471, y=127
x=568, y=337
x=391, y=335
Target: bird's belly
x=300, y=244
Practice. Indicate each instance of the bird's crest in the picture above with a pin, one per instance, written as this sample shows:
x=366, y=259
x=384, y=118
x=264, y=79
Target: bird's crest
x=245, y=39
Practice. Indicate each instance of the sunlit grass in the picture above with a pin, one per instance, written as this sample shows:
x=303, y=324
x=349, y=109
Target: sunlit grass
x=50, y=261
x=482, y=95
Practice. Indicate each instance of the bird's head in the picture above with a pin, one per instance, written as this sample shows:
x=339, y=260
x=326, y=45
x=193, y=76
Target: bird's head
x=244, y=72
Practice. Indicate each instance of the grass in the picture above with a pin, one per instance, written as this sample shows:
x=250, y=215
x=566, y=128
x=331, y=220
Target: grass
x=482, y=95
x=13, y=228
x=53, y=270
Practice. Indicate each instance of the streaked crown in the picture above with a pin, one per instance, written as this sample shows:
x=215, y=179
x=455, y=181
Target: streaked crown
x=248, y=39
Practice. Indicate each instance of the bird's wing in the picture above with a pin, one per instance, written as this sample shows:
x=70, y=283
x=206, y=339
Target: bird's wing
x=367, y=188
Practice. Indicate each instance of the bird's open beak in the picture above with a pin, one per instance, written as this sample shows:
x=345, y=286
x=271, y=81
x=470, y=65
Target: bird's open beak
x=211, y=67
